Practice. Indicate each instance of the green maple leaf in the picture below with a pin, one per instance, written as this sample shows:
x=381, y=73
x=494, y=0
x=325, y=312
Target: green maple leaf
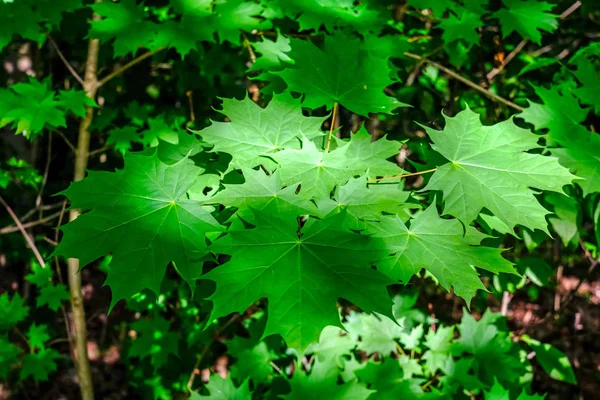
x=125, y=22
x=377, y=333
x=12, y=16
x=561, y=114
x=39, y=365
x=527, y=17
x=552, y=360
x=462, y=27
x=155, y=341
x=40, y=276
x=439, y=343
x=12, y=311
x=332, y=14
x=566, y=220
x=38, y=335
x=122, y=138
x=389, y=381
x=52, y=296
x=276, y=261
x=440, y=246
x=52, y=10
x=141, y=215
x=497, y=392
x=260, y=191
x=233, y=16
x=319, y=172
x=30, y=107
x=224, y=389
x=496, y=355
x=253, y=356
x=75, y=101
x=489, y=168
x=587, y=74
x=255, y=131
x=333, y=344
x=9, y=355
x=322, y=381
x=341, y=72
x=272, y=53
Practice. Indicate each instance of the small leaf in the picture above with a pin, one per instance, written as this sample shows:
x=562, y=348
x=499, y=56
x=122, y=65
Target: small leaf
x=552, y=360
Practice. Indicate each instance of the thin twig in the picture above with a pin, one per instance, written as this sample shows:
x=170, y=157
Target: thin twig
x=64, y=60
x=29, y=213
x=333, y=119
x=15, y=228
x=464, y=80
x=38, y=199
x=385, y=178
x=206, y=347
x=28, y=238
x=67, y=141
x=248, y=45
x=125, y=67
x=492, y=74
x=100, y=150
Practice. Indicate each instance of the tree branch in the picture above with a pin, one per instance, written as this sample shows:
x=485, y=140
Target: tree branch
x=67, y=141
x=28, y=238
x=125, y=67
x=467, y=82
x=64, y=60
x=15, y=228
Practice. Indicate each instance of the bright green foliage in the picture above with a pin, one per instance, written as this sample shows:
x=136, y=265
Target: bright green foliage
x=463, y=27
x=272, y=53
x=527, y=17
x=40, y=276
x=122, y=138
x=566, y=219
x=285, y=265
x=20, y=172
x=155, y=341
x=497, y=392
x=390, y=381
x=333, y=343
x=9, y=354
x=52, y=296
x=144, y=201
x=255, y=132
x=31, y=107
x=377, y=333
x=12, y=311
x=562, y=115
x=324, y=383
x=439, y=343
x=341, y=72
x=37, y=336
x=587, y=74
x=552, y=360
x=439, y=246
x=437, y=6
x=489, y=168
x=39, y=365
x=224, y=389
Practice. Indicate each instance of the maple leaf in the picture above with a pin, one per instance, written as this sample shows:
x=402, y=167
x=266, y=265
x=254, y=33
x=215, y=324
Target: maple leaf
x=38, y=335
x=75, y=101
x=388, y=379
x=155, y=341
x=440, y=246
x=342, y=72
x=323, y=382
x=273, y=53
x=561, y=114
x=587, y=74
x=462, y=27
x=12, y=311
x=52, y=296
x=255, y=131
x=146, y=203
x=253, y=356
x=333, y=343
x=39, y=365
x=319, y=172
x=122, y=138
x=527, y=18
x=40, y=276
x=12, y=16
x=489, y=168
x=9, y=354
x=276, y=261
x=30, y=107
x=377, y=333
x=125, y=22
x=224, y=389
x=439, y=343
x=552, y=360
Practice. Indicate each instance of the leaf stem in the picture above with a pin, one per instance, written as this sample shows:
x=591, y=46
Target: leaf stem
x=28, y=238
x=333, y=119
x=125, y=67
x=385, y=178
x=467, y=82
x=65, y=61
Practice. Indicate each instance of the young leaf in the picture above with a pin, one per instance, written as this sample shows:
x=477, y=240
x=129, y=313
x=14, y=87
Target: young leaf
x=155, y=340
x=389, y=380
x=37, y=336
x=527, y=17
x=333, y=344
x=439, y=343
x=342, y=72
x=224, y=389
x=40, y=276
x=39, y=365
x=440, y=246
x=52, y=296
x=12, y=311
x=255, y=131
x=287, y=266
x=142, y=216
x=489, y=168
x=377, y=333
x=552, y=360
x=9, y=355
